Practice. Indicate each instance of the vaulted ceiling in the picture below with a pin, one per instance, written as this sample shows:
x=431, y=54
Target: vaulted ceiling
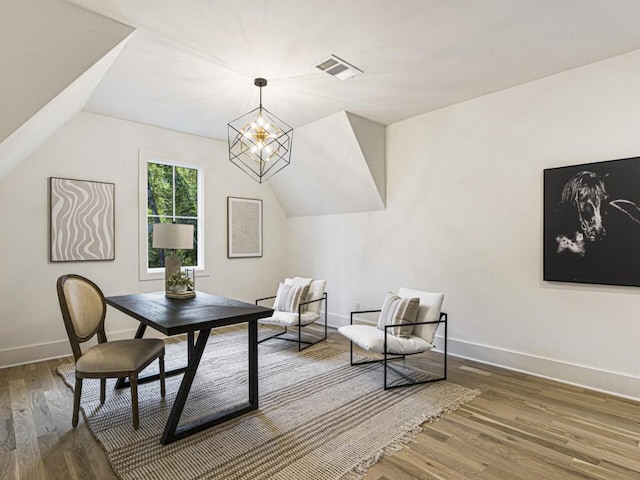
x=189, y=66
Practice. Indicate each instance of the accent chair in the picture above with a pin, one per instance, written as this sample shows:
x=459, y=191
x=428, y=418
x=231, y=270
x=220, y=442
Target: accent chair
x=297, y=304
x=407, y=326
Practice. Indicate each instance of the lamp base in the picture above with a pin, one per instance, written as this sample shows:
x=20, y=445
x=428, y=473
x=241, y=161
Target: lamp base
x=172, y=264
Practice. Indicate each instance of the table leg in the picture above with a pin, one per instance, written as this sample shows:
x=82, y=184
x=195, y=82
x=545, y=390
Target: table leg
x=172, y=431
x=190, y=344
x=253, y=363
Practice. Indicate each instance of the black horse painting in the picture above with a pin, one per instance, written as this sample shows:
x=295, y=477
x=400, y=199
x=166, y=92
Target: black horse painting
x=592, y=223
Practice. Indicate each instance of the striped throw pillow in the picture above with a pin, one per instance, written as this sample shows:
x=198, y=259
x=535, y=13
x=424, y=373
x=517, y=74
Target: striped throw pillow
x=306, y=284
x=397, y=310
x=288, y=298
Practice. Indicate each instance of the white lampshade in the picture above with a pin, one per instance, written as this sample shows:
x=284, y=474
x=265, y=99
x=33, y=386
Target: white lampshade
x=172, y=236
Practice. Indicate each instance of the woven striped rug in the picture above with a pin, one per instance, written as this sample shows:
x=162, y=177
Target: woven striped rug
x=319, y=417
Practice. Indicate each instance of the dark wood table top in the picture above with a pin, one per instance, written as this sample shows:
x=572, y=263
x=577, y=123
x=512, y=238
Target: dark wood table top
x=173, y=316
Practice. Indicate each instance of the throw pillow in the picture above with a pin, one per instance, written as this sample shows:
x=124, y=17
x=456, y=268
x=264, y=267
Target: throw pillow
x=288, y=298
x=307, y=293
x=397, y=310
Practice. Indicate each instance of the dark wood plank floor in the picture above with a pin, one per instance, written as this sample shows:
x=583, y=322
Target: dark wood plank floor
x=520, y=427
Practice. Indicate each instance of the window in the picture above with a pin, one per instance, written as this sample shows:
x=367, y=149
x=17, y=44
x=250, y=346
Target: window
x=170, y=193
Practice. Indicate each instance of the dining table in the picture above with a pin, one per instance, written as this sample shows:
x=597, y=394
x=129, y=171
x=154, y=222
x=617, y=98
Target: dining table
x=197, y=315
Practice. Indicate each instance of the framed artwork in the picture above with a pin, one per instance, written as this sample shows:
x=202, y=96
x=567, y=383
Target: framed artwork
x=592, y=223
x=81, y=220
x=244, y=227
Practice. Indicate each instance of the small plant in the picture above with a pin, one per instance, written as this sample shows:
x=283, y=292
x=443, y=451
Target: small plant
x=180, y=278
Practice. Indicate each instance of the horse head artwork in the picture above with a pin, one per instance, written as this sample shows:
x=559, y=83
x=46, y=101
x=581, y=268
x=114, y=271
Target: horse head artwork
x=586, y=192
x=585, y=196
x=591, y=223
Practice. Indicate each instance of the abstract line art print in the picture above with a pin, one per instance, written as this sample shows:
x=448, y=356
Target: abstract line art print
x=592, y=223
x=82, y=223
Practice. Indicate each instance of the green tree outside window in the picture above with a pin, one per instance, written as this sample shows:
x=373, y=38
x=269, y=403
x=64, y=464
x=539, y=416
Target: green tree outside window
x=172, y=197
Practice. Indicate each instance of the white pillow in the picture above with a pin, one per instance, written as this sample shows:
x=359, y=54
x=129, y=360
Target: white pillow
x=397, y=310
x=429, y=311
x=306, y=294
x=288, y=298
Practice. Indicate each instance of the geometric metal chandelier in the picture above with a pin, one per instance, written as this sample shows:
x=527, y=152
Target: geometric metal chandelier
x=259, y=142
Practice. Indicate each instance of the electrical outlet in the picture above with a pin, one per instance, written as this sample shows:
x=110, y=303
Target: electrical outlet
x=357, y=306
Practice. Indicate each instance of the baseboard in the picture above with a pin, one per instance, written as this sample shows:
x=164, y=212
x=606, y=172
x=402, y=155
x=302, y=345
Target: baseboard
x=12, y=357
x=612, y=383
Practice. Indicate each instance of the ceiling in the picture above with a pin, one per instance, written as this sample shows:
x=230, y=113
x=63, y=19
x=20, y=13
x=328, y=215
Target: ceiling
x=190, y=66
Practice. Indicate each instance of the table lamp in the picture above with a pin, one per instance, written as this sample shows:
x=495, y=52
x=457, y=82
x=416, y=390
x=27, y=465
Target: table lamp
x=172, y=236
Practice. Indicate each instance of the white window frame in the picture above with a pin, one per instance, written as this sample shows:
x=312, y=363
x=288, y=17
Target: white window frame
x=144, y=157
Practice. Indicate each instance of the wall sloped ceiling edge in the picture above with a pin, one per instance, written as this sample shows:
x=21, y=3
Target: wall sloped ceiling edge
x=54, y=54
x=40, y=127
x=371, y=137
x=330, y=171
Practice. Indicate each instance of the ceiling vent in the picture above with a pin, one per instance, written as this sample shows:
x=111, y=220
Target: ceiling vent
x=338, y=68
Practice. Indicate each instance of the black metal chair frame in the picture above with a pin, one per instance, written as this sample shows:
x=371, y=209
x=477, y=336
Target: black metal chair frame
x=401, y=356
x=299, y=340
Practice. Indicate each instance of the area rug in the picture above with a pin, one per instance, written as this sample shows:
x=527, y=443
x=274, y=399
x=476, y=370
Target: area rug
x=319, y=417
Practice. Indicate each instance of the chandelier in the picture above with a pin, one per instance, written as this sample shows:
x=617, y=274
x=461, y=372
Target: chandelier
x=259, y=142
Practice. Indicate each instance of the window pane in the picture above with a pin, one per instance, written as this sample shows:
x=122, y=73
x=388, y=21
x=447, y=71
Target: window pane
x=172, y=196
x=186, y=192
x=156, y=255
x=159, y=189
x=190, y=257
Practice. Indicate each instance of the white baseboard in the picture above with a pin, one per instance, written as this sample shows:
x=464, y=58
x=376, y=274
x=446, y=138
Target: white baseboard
x=12, y=357
x=613, y=383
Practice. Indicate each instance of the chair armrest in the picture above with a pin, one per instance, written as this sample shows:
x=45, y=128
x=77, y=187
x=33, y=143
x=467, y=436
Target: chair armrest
x=324, y=297
x=362, y=311
x=443, y=319
x=265, y=298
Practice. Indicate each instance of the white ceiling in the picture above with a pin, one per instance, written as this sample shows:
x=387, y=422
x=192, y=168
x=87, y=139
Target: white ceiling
x=191, y=64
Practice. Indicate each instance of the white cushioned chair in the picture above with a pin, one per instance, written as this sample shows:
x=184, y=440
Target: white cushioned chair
x=83, y=311
x=372, y=338
x=306, y=312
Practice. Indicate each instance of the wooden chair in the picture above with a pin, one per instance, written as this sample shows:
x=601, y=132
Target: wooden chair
x=83, y=311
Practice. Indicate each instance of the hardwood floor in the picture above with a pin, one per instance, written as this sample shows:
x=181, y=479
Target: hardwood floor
x=520, y=427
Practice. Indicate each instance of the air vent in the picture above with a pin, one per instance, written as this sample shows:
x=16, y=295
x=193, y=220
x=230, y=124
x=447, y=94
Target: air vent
x=338, y=68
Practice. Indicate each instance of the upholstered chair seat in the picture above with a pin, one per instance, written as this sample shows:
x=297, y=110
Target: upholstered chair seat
x=119, y=356
x=372, y=340
x=290, y=319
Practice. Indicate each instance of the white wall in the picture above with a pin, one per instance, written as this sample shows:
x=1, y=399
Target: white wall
x=464, y=216
x=94, y=147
